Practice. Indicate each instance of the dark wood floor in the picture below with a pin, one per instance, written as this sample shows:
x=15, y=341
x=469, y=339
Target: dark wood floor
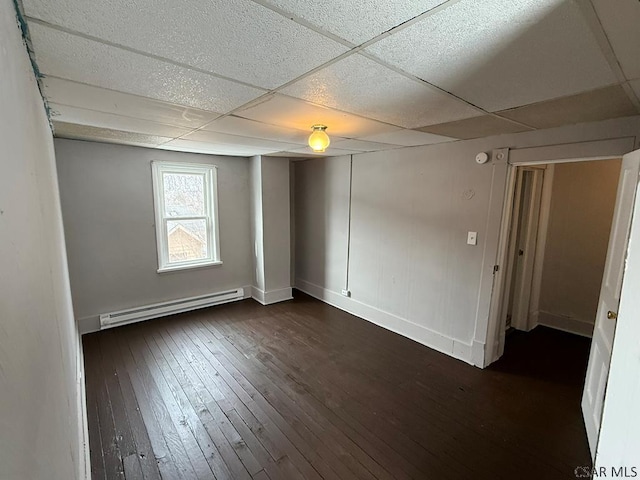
x=303, y=390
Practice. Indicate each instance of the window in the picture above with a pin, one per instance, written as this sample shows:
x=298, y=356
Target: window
x=185, y=199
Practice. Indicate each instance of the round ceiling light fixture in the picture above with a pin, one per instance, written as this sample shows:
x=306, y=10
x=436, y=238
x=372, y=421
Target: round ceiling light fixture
x=319, y=140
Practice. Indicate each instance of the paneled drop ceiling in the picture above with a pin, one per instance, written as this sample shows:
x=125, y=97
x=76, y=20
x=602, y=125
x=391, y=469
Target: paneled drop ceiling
x=243, y=77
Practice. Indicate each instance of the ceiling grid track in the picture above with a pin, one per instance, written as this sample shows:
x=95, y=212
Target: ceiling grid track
x=591, y=17
x=451, y=107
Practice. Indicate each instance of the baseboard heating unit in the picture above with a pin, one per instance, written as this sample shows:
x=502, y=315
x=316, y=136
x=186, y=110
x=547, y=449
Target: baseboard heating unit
x=138, y=314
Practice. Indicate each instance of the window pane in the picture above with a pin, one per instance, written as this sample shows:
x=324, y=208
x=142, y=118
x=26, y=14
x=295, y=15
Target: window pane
x=183, y=194
x=187, y=240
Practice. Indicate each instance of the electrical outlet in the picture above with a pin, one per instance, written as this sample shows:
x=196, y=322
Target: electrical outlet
x=346, y=293
x=472, y=238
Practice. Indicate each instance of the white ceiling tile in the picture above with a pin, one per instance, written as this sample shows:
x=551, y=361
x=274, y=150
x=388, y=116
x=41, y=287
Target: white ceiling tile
x=67, y=56
x=294, y=113
x=356, y=20
x=621, y=21
x=64, y=113
x=408, y=138
x=226, y=139
x=238, y=39
x=96, y=134
x=65, y=92
x=213, y=149
x=360, y=85
x=500, y=54
x=250, y=128
x=361, y=145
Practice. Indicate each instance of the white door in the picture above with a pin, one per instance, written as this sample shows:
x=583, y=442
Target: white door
x=602, y=342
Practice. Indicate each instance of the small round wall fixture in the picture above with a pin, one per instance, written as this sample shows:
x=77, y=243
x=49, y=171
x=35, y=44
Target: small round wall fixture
x=319, y=140
x=481, y=158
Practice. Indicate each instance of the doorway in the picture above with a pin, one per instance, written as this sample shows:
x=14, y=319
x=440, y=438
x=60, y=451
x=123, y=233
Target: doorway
x=559, y=232
x=522, y=246
x=608, y=300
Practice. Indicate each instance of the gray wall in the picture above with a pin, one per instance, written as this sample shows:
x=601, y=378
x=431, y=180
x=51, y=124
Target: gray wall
x=257, y=224
x=582, y=202
x=409, y=267
x=107, y=206
x=408, y=256
x=40, y=410
x=321, y=221
x=276, y=221
x=270, y=228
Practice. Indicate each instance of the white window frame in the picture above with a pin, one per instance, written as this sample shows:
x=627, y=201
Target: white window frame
x=210, y=173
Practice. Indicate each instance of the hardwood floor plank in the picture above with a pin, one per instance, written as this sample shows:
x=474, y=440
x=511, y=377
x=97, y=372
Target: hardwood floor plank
x=262, y=455
x=261, y=475
x=324, y=416
x=132, y=468
x=242, y=399
x=179, y=437
x=266, y=414
x=138, y=429
x=122, y=431
x=224, y=457
x=431, y=418
x=414, y=439
x=300, y=390
x=334, y=444
x=114, y=468
x=167, y=465
x=425, y=429
x=90, y=347
x=400, y=466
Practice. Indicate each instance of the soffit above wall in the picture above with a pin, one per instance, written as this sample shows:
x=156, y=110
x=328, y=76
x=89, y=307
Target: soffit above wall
x=601, y=104
x=477, y=127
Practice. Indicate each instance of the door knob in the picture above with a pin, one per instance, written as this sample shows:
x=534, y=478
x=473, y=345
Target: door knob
x=612, y=315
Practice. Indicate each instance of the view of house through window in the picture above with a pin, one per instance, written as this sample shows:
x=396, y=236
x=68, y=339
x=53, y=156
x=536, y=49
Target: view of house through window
x=186, y=223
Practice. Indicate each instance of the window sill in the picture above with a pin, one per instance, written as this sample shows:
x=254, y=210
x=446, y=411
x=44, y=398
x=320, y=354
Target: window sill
x=189, y=267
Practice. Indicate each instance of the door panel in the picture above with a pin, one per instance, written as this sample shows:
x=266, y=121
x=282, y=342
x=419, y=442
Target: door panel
x=600, y=356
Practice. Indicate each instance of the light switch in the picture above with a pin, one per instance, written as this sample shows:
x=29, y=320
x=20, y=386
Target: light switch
x=472, y=238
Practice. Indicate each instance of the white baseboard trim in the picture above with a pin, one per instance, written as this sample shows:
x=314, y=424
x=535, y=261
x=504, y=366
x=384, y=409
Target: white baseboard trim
x=84, y=459
x=272, y=296
x=534, y=319
x=566, y=324
x=477, y=354
x=468, y=353
x=89, y=324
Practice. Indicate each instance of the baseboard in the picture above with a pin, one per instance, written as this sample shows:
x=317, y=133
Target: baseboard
x=271, y=296
x=89, y=324
x=566, y=324
x=469, y=353
x=477, y=354
x=84, y=460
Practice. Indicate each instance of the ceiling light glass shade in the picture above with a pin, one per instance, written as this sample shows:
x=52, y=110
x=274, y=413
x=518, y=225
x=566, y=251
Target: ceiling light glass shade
x=319, y=140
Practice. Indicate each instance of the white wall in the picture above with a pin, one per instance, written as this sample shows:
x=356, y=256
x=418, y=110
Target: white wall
x=40, y=413
x=410, y=269
x=271, y=217
x=580, y=215
x=257, y=233
x=321, y=221
x=107, y=205
x=276, y=218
